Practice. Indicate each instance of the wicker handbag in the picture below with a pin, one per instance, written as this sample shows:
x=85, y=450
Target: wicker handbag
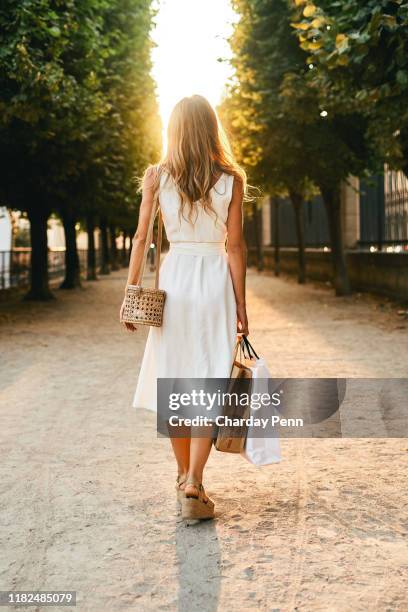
x=144, y=305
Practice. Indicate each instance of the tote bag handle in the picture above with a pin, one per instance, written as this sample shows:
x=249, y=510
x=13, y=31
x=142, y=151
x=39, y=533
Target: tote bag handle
x=242, y=344
x=249, y=348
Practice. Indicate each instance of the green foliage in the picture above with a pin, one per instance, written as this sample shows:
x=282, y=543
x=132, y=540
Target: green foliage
x=264, y=51
x=288, y=139
x=274, y=110
x=78, y=108
x=360, y=57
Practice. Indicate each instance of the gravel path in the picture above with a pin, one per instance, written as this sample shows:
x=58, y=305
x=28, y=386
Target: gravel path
x=87, y=499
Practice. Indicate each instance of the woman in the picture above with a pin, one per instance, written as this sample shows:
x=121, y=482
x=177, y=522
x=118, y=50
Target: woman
x=200, y=189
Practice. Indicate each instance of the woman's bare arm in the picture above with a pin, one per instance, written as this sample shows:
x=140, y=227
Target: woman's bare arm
x=140, y=237
x=237, y=253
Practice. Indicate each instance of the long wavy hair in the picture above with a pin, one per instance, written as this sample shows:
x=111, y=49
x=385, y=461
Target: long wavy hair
x=198, y=152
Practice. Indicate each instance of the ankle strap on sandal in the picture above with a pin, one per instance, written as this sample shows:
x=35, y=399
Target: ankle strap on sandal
x=197, y=485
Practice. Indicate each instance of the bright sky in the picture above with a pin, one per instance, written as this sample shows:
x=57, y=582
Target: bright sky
x=190, y=37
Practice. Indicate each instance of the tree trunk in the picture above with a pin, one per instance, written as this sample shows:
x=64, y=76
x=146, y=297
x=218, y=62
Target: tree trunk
x=105, y=268
x=72, y=268
x=113, y=248
x=276, y=235
x=332, y=202
x=124, y=257
x=39, y=287
x=91, y=255
x=258, y=244
x=297, y=201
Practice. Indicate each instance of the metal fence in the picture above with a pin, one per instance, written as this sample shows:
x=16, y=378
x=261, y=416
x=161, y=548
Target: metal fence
x=15, y=266
x=383, y=212
x=372, y=212
x=282, y=218
x=396, y=207
x=315, y=223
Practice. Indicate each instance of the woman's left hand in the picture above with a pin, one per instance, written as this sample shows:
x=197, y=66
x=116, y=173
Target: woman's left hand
x=129, y=326
x=242, y=320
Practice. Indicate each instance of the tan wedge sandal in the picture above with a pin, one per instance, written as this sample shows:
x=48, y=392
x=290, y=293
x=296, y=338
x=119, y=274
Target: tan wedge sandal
x=180, y=492
x=196, y=506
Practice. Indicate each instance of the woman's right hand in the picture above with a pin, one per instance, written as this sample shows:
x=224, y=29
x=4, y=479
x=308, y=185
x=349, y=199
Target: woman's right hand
x=129, y=326
x=242, y=320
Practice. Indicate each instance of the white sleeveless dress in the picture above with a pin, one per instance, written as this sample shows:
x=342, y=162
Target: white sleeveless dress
x=198, y=334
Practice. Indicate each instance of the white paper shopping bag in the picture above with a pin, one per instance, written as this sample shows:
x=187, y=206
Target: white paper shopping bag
x=257, y=450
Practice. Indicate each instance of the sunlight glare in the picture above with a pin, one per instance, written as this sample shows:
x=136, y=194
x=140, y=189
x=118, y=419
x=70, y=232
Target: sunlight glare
x=191, y=37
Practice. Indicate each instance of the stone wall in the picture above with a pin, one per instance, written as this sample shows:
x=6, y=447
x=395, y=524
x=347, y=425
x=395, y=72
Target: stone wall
x=384, y=273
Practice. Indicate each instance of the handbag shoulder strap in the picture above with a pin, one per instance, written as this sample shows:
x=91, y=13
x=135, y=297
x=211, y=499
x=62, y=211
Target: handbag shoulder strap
x=155, y=210
x=159, y=243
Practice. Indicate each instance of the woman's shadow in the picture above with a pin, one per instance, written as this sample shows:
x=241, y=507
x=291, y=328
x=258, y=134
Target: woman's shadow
x=199, y=566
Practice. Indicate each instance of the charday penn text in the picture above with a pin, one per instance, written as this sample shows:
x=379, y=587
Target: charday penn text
x=226, y=421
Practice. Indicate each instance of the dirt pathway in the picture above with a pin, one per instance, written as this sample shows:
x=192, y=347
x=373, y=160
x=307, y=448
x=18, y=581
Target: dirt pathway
x=87, y=499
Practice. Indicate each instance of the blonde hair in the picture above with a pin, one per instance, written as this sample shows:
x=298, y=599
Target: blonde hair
x=197, y=151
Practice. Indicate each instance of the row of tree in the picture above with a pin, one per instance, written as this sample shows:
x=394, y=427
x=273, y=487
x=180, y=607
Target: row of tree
x=79, y=121
x=320, y=93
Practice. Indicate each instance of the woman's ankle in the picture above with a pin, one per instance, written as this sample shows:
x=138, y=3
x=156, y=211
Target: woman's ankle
x=194, y=478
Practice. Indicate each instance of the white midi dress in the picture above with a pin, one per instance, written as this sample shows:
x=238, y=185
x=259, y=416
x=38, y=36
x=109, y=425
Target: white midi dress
x=198, y=334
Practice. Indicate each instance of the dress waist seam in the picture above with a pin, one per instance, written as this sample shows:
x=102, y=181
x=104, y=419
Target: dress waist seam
x=198, y=248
